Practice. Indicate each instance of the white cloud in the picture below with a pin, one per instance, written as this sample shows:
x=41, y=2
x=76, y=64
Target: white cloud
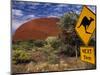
x=31, y=16
x=52, y=16
x=58, y=9
x=78, y=6
x=35, y=3
x=62, y=5
x=17, y=12
x=77, y=11
x=28, y=17
x=16, y=24
x=47, y=4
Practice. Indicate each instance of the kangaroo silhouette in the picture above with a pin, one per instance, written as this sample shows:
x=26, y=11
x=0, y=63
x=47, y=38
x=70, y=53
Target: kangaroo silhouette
x=86, y=22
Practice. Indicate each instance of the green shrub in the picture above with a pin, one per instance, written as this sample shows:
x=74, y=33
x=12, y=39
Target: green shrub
x=53, y=59
x=67, y=50
x=47, y=49
x=39, y=43
x=15, y=46
x=53, y=42
x=23, y=45
x=20, y=56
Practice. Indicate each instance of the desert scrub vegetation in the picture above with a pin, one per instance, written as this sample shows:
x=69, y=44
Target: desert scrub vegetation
x=54, y=42
x=20, y=56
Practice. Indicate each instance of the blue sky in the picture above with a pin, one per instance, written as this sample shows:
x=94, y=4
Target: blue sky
x=23, y=11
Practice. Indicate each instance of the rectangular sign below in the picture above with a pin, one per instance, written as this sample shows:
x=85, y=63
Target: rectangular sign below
x=87, y=54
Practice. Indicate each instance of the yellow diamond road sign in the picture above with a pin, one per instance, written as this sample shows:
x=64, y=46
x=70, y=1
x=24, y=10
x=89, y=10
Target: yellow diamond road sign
x=86, y=24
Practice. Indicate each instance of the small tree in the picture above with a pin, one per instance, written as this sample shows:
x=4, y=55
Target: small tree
x=68, y=21
x=67, y=25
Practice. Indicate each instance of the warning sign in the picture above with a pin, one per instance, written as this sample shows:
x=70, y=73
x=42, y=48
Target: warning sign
x=87, y=54
x=86, y=24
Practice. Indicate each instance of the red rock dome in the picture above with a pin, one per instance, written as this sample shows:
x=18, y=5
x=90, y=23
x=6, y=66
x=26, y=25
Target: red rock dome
x=39, y=28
